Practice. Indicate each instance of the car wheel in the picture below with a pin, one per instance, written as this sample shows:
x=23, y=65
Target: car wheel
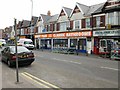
x=9, y=63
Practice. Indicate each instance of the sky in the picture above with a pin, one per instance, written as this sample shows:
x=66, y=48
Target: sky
x=22, y=9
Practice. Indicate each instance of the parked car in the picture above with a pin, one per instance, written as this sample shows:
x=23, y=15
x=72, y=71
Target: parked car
x=28, y=43
x=3, y=42
x=25, y=56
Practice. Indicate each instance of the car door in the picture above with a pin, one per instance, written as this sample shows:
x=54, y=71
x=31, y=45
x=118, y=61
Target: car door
x=5, y=54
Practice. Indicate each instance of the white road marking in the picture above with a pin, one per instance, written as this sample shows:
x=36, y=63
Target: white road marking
x=66, y=61
x=110, y=68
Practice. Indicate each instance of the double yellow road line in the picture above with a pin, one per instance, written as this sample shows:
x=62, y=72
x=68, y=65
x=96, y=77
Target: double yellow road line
x=39, y=81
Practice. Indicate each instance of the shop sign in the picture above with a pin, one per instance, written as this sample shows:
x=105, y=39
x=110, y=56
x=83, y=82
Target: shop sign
x=59, y=35
x=106, y=33
x=63, y=35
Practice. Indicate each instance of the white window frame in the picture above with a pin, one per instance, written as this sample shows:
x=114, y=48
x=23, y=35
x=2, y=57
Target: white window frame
x=111, y=18
x=63, y=26
x=77, y=24
x=98, y=21
x=87, y=22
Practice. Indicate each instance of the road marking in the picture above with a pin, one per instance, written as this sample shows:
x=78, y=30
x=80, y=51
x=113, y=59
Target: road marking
x=46, y=84
x=110, y=68
x=34, y=80
x=66, y=61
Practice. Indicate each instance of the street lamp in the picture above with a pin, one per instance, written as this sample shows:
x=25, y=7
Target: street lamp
x=31, y=7
x=31, y=17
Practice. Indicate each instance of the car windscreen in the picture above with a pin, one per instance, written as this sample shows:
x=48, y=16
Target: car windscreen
x=20, y=49
x=28, y=42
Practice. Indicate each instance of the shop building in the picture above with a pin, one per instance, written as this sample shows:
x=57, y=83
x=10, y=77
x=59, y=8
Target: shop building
x=106, y=27
x=70, y=29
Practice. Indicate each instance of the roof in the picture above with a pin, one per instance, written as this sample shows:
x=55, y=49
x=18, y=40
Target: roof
x=67, y=11
x=19, y=24
x=95, y=8
x=88, y=10
x=83, y=8
x=45, y=18
x=25, y=23
x=34, y=20
x=53, y=18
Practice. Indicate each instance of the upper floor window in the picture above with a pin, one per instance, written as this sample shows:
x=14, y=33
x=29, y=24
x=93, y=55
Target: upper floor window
x=63, y=26
x=77, y=24
x=118, y=18
x=22, y=31
x=111, y=18
x=97, y=21
x=87, y=22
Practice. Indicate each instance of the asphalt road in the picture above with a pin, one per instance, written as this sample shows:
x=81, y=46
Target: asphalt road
x=70, y=71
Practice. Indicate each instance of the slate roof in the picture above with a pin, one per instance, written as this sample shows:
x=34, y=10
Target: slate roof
x=45, y=18
x=53, y=18
x=67, y=11
x=83, y=8
x=95, y=8
x=34, y=20
x=25, y=23
x=88, y=10
x=19, y=24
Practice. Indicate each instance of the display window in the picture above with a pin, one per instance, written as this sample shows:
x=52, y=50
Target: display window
x=73, y=43
x=60, y=43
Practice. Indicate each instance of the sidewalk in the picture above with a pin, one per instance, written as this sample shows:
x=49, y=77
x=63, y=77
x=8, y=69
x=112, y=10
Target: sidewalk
x=79, y=54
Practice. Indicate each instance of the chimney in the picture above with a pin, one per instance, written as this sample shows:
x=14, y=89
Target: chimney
x=49, y=13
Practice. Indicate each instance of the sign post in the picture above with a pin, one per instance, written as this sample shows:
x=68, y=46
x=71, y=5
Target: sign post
x=15, y=28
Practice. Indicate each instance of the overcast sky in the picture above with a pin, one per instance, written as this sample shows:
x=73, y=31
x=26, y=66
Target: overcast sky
x=21, y=9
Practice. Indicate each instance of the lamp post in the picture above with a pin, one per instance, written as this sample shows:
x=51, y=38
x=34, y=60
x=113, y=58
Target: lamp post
x=15, y=28
x=31, y=18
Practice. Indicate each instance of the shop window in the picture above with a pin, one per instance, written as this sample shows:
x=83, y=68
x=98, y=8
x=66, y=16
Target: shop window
x=60, y=43
x=82, y=44
x=103, y=43
x=73, y=43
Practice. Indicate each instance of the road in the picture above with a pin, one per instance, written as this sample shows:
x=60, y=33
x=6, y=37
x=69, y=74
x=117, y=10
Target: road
x=69, y=71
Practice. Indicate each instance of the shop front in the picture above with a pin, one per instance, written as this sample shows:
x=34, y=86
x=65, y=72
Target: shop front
x=76, y=40
x=104, y=40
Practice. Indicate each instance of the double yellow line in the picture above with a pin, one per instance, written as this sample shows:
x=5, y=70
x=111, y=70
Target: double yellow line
x=40, y=81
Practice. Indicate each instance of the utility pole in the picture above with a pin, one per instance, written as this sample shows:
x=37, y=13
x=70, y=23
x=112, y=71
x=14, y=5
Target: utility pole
x=15, y=28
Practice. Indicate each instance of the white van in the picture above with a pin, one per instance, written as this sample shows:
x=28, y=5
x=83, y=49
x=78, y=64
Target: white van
x=3, y=42
x=28, y=43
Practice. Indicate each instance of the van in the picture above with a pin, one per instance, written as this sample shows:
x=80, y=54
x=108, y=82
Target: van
x=28, y=43
x=3, y=42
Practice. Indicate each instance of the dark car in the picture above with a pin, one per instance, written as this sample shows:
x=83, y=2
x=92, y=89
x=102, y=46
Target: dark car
x=25, y=56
